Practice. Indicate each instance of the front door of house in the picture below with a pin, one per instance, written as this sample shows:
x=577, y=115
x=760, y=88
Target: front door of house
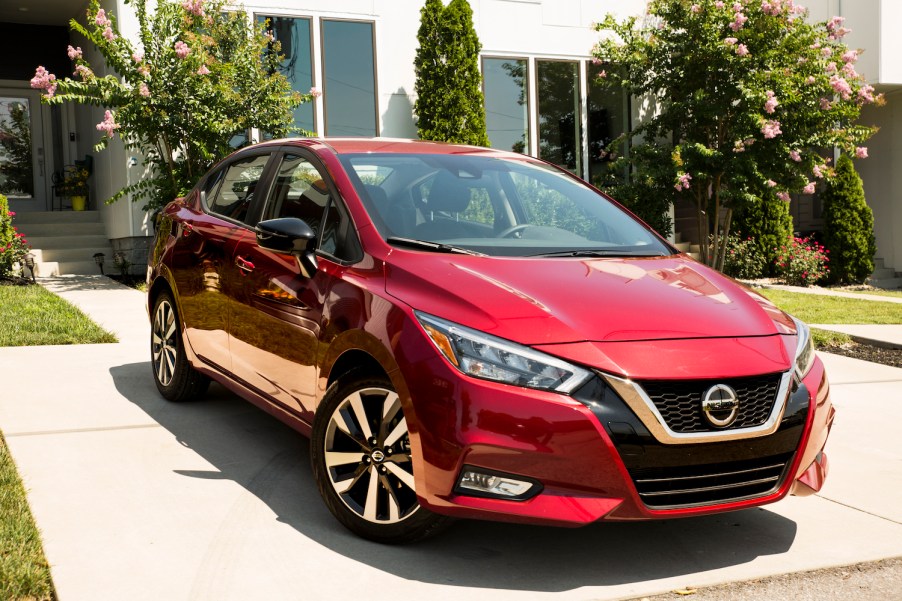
x=24, y=163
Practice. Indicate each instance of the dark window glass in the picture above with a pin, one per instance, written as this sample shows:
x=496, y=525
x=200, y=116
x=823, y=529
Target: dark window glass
x=299, y=191
x=560, y=128
x=506, y=103
x=16, y=169
x=608, y=119
x=294, y=35
x=350, y=78
x=239, y=185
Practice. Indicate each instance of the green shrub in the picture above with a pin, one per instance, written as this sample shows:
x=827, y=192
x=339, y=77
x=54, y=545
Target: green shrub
x=743, y=259
x=768, y=222
x=801, y=262
x=13, y=246
x=848, y=226
x=449, y=105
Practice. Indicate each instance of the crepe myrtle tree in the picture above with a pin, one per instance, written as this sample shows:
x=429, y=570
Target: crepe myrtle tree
x=748, y=96
x=197, y=77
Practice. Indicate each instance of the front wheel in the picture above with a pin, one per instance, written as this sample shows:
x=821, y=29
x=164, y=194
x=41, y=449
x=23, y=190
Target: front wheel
x=175, y=378
x=360, y=451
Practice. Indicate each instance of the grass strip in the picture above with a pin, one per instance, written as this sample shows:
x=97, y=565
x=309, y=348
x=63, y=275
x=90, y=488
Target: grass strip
x=24, y=571
x=816, y=308
x=32, y=316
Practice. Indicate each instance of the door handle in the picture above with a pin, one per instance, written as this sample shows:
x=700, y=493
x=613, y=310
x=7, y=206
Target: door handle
x=244, y=265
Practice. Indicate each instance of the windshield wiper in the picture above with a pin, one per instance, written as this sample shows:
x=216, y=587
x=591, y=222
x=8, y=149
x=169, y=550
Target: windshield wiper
x=433, y=246
x=586, y=252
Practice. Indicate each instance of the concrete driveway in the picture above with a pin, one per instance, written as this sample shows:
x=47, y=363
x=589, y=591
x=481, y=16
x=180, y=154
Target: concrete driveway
x=138, y=498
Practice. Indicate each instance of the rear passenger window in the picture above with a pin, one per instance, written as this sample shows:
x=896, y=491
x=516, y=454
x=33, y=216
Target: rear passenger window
x=239, y=185
x=299, y=191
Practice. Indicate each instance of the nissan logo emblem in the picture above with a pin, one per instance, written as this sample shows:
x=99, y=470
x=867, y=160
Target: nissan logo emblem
x=720, y=406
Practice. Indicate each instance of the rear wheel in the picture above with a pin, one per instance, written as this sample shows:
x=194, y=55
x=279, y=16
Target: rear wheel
x=175, y=378
x=362, y=464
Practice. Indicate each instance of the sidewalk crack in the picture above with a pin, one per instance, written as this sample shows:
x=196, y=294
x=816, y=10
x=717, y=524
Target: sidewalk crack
x=79, y=430
x=876, y=515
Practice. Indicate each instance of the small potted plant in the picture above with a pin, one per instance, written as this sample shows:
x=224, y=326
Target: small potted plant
x=75, y=187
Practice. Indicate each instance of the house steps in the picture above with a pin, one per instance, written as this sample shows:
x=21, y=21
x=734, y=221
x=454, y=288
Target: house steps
x=884, y=277
x=65, y=242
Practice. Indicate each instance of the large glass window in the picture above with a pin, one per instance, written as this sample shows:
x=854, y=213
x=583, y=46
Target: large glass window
x=349, y=75
x=560, y=126
x=16, y=167
x=608, y=119
x=506, y=103
x=293, y=34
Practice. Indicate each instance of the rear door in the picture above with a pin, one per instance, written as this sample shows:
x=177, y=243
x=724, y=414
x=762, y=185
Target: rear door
x=202, y=258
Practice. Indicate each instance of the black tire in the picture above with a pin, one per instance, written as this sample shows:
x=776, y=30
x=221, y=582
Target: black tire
x=174, y=376
x=372, y=494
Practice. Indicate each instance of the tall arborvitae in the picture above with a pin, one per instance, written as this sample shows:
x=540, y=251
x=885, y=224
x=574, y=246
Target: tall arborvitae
x=848, y=226
x=449, y=105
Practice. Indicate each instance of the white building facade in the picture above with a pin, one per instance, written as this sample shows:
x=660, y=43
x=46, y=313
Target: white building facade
x=538, y=84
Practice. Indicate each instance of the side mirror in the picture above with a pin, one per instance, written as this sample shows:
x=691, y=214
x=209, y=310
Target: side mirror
x=289, y=236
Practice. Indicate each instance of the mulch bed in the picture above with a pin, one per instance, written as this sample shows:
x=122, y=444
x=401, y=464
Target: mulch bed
x=866, y=352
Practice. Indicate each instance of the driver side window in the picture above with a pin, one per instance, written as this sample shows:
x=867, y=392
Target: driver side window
x=299, y=191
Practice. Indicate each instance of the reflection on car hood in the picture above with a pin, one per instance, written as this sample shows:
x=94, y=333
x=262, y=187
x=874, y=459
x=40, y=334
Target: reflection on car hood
x=553, y=301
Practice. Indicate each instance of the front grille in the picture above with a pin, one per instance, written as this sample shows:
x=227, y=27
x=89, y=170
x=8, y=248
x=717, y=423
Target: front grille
x=690, y=486
x=680, y=402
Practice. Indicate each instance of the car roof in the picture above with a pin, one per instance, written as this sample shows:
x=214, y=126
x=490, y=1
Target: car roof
x=399, y=146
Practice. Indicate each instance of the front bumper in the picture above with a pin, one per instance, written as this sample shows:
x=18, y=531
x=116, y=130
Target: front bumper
x=594, y=458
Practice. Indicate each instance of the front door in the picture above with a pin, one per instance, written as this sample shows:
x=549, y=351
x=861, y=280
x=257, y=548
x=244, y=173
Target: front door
x=24, y=164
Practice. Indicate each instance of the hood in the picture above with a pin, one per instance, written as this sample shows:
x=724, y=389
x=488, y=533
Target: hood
x=537, y=301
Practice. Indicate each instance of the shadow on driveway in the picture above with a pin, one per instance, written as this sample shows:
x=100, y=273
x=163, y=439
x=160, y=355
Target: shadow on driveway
x=271, y=461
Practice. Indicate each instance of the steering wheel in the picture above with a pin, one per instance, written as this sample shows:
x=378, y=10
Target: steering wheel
x=514, y=229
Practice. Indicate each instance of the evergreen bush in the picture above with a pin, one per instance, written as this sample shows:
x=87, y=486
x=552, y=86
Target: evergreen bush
x=768, y=222
x=743, y=259
x=449, y=105
x=848, y=226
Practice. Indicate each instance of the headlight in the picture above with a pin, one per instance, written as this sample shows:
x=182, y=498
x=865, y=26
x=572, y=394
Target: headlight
x=483, y=356
x=804, y=351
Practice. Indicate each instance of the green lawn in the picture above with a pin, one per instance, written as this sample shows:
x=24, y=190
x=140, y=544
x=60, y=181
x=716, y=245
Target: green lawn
x=24, y=572
x=815, y=308
x=32, y=316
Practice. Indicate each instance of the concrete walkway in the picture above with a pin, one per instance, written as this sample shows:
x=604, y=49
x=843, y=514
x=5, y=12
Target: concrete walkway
x=829, y=292
x=138, y=498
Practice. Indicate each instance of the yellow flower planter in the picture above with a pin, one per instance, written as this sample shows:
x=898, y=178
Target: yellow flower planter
x=78, y=203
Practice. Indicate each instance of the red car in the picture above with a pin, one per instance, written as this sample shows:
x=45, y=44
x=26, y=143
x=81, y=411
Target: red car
x=471, y=333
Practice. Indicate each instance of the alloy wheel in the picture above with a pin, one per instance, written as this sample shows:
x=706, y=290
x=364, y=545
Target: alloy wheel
x=164, y=343
x=367, y=456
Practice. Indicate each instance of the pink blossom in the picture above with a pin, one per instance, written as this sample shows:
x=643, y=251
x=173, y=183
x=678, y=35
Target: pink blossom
x=74, y=53
x=596, y=60
x=826, y=51
x=810, y=80
x=841, y=87
x=44, y=80
x=108, y=124
x=737, y=6
x=181, y=49
x=138, y=57
x=830, y=68
x=144, y=90
x=825, y=104
x=771, y=104
x=795, y=156
x=144, y=70
x=718, y=4
x=101, y=19
x=108, y=34
x=809, y=189
x=818, y=173
x=866, y=93
x=850, y=57
x=834, y=23
x=195, y=7
x=83, y=72
x=315, y=92
x=695, y=8
x=738, y=22
x=849, y=70
x=815, y=46
x=203, y=70
x=861, y=152
x=742, y=50
x=683, y=182
x=771, y=129
x=771, y=183
x=730, y=41
x=784, y=196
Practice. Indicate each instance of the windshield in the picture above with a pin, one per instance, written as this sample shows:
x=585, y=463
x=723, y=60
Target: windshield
x=493, y=206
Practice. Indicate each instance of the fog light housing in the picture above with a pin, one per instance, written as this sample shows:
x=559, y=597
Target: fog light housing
x=478, y=482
